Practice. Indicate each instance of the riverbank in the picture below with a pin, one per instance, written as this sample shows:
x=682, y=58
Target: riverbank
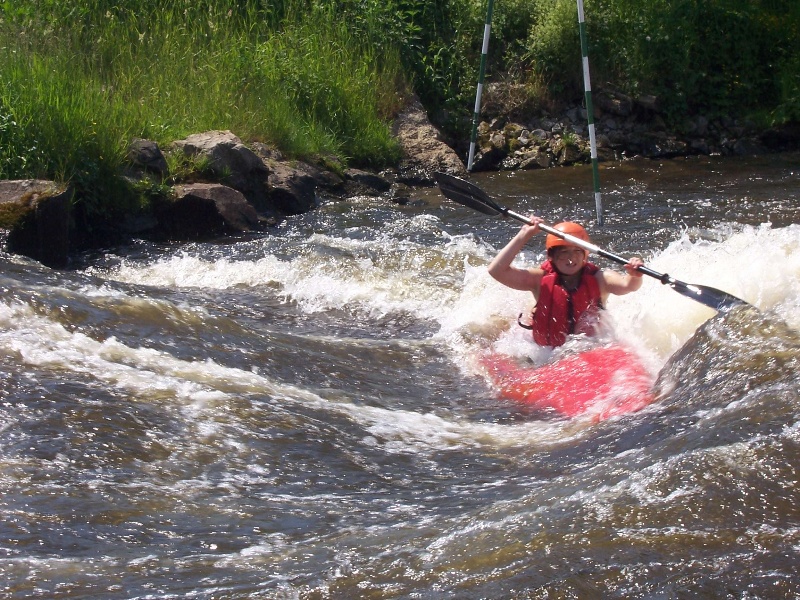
x=228, y=187
x=625, y=127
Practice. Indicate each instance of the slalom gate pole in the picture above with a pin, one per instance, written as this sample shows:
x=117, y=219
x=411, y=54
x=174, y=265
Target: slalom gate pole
x=587, y=86
x=487, y=28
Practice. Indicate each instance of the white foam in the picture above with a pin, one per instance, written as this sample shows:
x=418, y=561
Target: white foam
x=761, y=265
x=201, y=391
x=448, y=284
x=373, y=276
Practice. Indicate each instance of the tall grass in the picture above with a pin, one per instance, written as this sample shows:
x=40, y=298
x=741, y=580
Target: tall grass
x=56, y=123
x=716, y=57
x=79, y=81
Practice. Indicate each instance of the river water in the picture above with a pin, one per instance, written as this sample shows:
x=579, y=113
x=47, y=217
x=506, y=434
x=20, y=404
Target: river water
x=300, y=414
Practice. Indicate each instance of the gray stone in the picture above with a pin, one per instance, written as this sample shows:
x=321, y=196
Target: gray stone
x=292, y=191
x=37, y=214
x=363, y=183
x=233, y=163
x=204, y=210
x=424, y=150
x=146, y=155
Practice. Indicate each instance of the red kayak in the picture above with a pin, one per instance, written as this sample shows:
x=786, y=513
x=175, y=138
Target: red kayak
x=605, y=382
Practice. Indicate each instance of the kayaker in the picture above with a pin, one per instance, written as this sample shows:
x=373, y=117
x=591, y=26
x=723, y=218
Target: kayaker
x=568, y=289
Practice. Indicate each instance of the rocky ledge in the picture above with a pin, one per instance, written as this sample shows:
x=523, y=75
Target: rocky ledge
x=625, y=127
x=232, y=188
x=236, y=187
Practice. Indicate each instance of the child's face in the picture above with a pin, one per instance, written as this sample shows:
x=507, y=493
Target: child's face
x=569, y=259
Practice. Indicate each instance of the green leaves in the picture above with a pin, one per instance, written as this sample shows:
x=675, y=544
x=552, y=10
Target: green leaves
x=713, y=57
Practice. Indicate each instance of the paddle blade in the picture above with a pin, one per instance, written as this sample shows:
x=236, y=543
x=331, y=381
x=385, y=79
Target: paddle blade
x=711, y=297
x=464, y=192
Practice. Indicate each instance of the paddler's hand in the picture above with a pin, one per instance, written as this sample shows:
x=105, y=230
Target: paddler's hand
x=514, y=277
x=632, y=267
x=528, y=231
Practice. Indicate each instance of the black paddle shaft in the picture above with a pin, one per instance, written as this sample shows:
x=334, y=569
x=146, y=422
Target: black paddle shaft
x=470, y=195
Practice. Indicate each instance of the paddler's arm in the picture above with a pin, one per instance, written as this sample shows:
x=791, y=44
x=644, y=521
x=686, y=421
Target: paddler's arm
x=619, y=284
x=519, y=279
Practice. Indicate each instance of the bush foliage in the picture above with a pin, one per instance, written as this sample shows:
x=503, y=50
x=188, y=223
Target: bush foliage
x=715, y=57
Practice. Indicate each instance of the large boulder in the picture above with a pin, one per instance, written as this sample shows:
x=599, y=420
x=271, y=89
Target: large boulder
x=205, y=210
x=231, y=163
x=36, y=214
x=364, y=183
x=146, y=156
x=424, y=150
x=492, y=148
x=293, y=191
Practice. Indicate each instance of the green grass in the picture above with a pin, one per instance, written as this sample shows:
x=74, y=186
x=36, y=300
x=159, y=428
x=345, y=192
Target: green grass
x=79, y=80
x=734, y=58
x=76, y=90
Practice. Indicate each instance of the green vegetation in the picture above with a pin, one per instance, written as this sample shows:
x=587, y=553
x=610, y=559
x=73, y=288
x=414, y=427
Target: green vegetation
x=736, y=58
x=79, y=80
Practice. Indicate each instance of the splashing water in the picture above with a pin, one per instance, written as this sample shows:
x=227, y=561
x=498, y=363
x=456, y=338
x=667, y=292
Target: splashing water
x=300, y=414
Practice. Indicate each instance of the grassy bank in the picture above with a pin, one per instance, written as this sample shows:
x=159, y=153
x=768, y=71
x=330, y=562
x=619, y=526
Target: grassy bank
x=80, y=83
x=79, y=80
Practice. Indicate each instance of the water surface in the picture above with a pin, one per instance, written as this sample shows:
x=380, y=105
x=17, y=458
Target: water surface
x=300, y=414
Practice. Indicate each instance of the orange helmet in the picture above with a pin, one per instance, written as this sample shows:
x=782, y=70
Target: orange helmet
x=565, y=227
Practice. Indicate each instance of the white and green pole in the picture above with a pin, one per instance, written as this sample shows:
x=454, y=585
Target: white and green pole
x=487, y=28
x=587, y=86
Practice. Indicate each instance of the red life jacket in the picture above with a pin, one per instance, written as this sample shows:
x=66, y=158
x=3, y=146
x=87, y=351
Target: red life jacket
x=559, y=312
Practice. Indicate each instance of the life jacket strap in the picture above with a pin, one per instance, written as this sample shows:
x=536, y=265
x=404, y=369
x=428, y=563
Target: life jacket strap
x=523, y=325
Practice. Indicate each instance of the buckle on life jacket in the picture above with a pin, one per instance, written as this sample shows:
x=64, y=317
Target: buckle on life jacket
x=523, y=325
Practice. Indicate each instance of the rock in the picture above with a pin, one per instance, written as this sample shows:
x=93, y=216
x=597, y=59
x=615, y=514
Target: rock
x=537, y=160
x=540, y=135
x=204, y=210
x=362, y=183
x=513, y=130
x=700, y=146
x=609, y=124
x=569, y=154
x=267, y=153
x=233, y=163
x=424, y=151
x=324, y=171
x=748, y=147
x=493, y=148
x=147, y=156
x=498, y=123
x=291, y=190
x=572, y=114
x=139, y=224
x=324, y=178
x=273, y=187
x=606, y=154
x=37, y=214
x=612, y=102
x=660, y=145
x=648, y=102
x=497, y=141
x=546, y=123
